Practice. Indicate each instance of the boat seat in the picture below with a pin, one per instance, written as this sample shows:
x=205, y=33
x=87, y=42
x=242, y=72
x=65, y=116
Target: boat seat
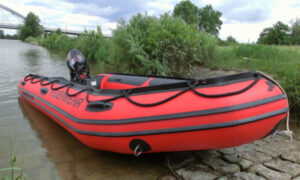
x=120, y=81
x=95, y=81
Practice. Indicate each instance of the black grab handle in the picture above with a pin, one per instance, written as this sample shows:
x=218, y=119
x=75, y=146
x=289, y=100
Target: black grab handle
x=97, y=106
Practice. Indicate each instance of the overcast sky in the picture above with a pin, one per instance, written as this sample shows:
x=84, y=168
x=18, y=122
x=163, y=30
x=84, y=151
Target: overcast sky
x=242, y=19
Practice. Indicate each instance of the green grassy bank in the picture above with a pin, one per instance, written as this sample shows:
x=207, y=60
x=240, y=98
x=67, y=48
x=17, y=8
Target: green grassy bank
x=281, y=62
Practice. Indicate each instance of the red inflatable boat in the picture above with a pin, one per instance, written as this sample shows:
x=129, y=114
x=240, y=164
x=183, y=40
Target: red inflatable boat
x=135, y=114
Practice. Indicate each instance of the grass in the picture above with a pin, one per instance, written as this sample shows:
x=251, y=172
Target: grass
x=275, y=60
x=15, y=173
x=281, y=62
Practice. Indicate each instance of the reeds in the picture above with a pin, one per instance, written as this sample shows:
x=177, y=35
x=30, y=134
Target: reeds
x=13, y=172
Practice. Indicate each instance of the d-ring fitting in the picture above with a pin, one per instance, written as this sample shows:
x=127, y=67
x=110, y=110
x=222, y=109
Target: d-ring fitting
x=138, y=150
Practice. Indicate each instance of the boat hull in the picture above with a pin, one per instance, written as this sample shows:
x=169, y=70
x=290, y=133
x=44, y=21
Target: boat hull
x=186, y=122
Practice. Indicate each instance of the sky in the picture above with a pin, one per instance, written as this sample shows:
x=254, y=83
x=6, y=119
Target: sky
x=242, y=19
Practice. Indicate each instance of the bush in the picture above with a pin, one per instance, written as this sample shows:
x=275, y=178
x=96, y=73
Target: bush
x=158, y=46
x=91, y=43
x=62, y=42
x=30, y=39
x=162, y=45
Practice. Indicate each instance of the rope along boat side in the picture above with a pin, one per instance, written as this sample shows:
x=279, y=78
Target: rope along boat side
x=133, y=114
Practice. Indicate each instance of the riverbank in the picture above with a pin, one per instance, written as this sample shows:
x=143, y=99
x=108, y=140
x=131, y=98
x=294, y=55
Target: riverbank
x=270, y=158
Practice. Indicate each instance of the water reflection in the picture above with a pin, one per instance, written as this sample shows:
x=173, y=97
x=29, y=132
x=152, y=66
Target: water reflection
x=74, y=160
x=32, y=55
x=32, y=58
x=55, y=56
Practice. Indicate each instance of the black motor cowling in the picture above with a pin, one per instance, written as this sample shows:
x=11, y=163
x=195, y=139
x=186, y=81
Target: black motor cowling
x=78, y=66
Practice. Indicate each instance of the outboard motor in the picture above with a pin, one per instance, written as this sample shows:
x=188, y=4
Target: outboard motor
x=78, y=66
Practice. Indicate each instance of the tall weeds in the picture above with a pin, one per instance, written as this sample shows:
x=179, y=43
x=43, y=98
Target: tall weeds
x=15, y=173
x=282, y=62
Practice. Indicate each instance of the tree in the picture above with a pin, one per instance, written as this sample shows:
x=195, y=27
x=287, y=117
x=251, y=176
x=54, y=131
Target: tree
x=295, y=32
x=58, y=31
x=209, y=20
x=231, y=40
x=186, y=10
x=1, y=34
x=279, y=34
x=31, y=27
x=206, y=18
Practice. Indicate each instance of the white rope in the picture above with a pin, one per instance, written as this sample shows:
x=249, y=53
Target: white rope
x=287, y=132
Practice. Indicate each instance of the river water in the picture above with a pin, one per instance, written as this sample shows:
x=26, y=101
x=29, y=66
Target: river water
x=49, y=152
